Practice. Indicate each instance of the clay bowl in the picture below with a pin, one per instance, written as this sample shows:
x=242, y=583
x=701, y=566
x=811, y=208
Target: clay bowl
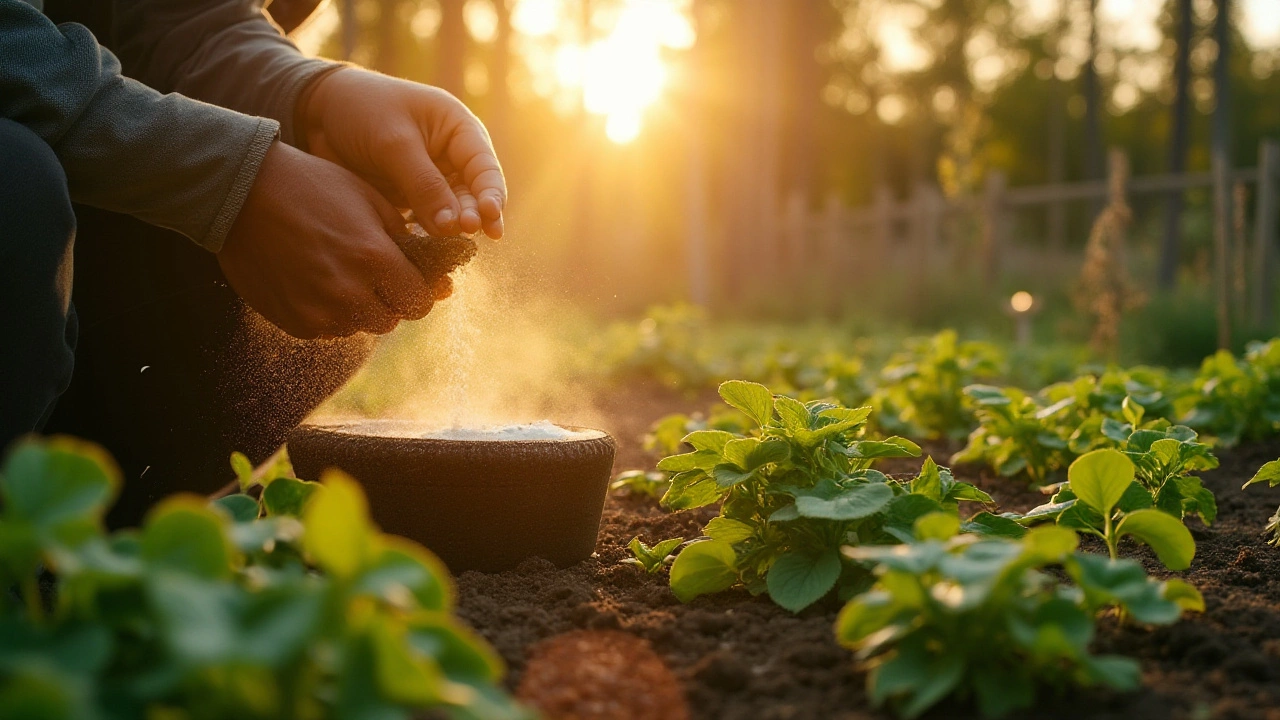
x=480, y=504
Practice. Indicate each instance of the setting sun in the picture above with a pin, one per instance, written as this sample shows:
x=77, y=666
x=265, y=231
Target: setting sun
x=621, y=74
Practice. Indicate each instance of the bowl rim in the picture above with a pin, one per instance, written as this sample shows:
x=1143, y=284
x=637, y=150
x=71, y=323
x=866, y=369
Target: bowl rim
x=344, y=428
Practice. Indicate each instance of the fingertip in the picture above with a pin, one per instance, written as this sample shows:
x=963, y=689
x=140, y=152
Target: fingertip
x=490, y=205
x=493, y=229
x=446, y=221
x=470, y=221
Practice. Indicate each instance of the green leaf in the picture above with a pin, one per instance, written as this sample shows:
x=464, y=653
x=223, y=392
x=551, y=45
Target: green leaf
x=1099, y=478
x=797, y=580
x=399, y=564
x=751, y=454
x=1197, y=499
x=793, y=413
x=697, y=460
x=893, y=447
x=709, y=440
x=969, y=492
x=1119, y=673
x=1269, y=473
x=60, y=486
x=703, y=567
x=243, y=469
x=753, y=399
x=1184, y=594
x=726, y=476
x=693, y=489
x=1166, y=535
x=287, y=496
x=929, y=482
x=239, y=507
x=403, y=675
x=849, y=503
x=1132, y=411
x=985, y=523
x=728, y=530
x=987, y=395
x=185, y=535
x=338, y=532
x=937, y=526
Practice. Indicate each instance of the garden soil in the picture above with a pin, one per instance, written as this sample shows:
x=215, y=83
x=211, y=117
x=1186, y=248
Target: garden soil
x=739, y=657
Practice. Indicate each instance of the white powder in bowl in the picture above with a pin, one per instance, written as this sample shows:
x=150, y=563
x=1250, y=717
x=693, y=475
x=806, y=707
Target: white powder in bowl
x=541, y=430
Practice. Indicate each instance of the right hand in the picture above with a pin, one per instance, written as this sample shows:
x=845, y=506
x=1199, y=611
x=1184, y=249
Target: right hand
x=311, y=252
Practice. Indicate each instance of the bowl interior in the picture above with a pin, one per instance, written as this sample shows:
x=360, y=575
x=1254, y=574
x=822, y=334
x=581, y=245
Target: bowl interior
x=413, y=430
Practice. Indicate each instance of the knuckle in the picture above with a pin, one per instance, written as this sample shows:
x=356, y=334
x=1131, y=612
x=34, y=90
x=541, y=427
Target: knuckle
x=430, y=182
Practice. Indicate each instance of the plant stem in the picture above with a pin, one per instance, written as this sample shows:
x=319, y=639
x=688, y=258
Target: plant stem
x=1110, y=537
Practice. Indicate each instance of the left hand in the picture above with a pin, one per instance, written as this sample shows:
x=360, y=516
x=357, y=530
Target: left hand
x=417, y=144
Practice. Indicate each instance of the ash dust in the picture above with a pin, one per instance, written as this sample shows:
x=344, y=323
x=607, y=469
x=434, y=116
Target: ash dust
x=494, y=353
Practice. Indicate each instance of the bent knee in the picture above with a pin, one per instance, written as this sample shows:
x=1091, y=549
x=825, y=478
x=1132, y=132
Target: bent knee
x=35, y=204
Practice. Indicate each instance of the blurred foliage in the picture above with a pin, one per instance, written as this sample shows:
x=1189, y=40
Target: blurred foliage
x=288, y=606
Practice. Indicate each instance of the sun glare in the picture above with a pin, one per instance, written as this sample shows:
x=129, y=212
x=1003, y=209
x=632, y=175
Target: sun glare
x=623, y=73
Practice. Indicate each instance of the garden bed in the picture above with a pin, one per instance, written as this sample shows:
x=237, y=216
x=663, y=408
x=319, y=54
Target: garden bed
x=743, y=657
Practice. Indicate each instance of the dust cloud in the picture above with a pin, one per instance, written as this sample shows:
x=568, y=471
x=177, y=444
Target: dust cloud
x=495, y=353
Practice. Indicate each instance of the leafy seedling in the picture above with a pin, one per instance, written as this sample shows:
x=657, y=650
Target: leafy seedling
x=1111, y=504
x=1270, y=474
x=958, y=615
x=292, y=606
x=645, y=484
x=652, y=559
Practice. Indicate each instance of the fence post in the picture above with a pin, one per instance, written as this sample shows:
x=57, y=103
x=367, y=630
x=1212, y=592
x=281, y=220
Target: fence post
x=793, y=258
x=926, y=223
x=993, y=223
x=1265, y=225
x=884, y=222
x=833, y=252
x=1222, y=247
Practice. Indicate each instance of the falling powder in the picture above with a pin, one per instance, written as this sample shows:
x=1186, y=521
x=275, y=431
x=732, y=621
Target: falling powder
x=461, y=332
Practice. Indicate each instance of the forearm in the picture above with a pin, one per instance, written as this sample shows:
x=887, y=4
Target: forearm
x=224, y=52
x=165, y=159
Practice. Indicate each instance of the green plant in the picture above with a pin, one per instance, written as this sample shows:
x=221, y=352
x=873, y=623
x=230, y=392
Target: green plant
x=652, y=559
x=1103, y=498
x=1234, y=399
x=1270, y=474
x=638, y=482
x=1015, y=434
x=921, y=390
x=793, y=491
x=1163, y=456
x=980, y=618
x=293, y=606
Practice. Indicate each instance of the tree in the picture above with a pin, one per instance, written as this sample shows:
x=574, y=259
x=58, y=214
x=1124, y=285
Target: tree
x=1181, y=121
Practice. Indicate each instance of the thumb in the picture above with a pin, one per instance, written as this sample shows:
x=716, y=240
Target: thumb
x=427, y=191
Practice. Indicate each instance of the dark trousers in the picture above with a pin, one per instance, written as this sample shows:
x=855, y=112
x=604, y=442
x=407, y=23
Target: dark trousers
x=171, y=371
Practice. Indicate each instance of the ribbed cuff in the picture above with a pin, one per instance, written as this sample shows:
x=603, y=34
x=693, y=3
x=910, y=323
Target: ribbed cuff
x=267, y=132
x=292, y=91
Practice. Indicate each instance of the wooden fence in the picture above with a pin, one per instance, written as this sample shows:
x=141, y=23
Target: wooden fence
x=922, y=229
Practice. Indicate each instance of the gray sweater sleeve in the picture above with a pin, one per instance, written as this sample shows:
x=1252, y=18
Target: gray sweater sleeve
x=166, y=159
x=225, y=52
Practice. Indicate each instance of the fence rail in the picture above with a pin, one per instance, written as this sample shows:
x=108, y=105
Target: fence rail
x=918, y=228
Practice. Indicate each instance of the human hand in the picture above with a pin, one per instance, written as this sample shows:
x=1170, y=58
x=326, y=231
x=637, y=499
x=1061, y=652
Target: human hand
x=419, y=145
x=310, y=251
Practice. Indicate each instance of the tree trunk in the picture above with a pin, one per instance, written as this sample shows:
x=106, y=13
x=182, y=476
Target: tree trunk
x=1177, y=145
x=499, y=104
x=387, y=59
x=1221, y=154
x=451, y=47
x=1092, y=99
